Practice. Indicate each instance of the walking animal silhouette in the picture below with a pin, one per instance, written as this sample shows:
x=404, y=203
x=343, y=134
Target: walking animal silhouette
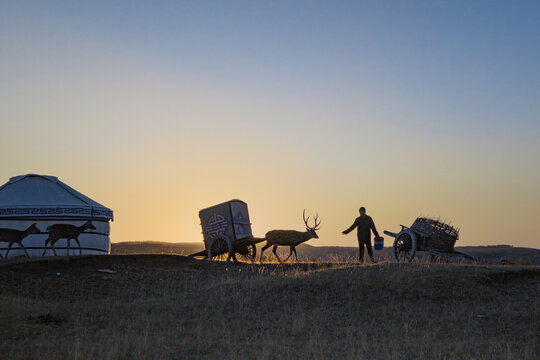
x=66, y=231
x=12, y=236
x=290, y=238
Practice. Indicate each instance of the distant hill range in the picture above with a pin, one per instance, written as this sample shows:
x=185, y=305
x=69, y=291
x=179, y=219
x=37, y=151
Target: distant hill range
x=495, y=254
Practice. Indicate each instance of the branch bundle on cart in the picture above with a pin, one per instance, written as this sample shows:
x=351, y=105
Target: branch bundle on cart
x=426, y=234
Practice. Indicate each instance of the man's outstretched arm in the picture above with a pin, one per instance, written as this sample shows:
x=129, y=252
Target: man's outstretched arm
x=351, y=228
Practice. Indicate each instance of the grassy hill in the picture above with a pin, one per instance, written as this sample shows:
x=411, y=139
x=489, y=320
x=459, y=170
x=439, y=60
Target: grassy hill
x=490, y=254
x=174, y=307
x=155, y=247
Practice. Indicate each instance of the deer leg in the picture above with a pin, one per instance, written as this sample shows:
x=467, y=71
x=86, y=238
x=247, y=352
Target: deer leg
x=25, y=252
x=262, y=250
x=68, y=246
x=78, y=243
x=290, y=253
x=296, y=256
x=45, y=247
x=275, y=253
x=9, y=247
x=53, y=249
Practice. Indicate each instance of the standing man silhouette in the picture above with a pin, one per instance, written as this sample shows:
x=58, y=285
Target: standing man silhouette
x=365, y=224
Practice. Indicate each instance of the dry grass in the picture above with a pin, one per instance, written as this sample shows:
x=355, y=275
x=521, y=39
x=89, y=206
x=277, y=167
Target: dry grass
x=171, y=307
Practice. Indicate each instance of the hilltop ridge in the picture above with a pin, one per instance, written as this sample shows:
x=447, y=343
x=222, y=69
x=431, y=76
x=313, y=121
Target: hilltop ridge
x=494, y=254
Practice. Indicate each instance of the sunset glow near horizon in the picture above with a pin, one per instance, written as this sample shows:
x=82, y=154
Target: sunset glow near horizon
x=159, y=109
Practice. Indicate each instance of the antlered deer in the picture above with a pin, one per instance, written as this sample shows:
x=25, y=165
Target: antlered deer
x=66, y=231
x=290, y=238
x=16, y=236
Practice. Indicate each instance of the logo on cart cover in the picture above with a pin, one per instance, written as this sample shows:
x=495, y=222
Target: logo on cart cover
x=217, y=225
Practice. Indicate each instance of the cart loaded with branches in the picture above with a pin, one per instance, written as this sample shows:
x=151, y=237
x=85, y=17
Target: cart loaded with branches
x=426, y=234
x=227, y=232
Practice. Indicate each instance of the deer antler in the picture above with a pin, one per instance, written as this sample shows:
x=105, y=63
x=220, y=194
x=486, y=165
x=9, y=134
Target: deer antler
x=315, y=219
x=305, y=221
x=316, y=224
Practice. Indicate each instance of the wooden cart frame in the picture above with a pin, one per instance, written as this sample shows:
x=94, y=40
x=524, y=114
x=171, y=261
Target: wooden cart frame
x=244, y=250
x=227, y=232
x=429, y=235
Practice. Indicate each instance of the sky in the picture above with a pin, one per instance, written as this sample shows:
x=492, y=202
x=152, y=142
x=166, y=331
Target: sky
x=158, y=109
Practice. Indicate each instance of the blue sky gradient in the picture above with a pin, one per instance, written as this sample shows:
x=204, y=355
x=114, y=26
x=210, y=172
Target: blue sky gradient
x=405, y=107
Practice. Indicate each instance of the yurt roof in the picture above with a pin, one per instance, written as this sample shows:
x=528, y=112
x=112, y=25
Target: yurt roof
x=33, y=195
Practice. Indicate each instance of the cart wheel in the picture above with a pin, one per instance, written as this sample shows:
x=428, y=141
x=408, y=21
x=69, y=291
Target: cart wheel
x=404, y=246
x=247, y=253
x=220, y=249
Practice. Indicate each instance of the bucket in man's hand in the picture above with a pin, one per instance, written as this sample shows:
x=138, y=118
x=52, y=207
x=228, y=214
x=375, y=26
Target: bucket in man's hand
x=379, y=242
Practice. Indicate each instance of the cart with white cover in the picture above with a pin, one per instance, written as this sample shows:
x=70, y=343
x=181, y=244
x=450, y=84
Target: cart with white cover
x=227, y=232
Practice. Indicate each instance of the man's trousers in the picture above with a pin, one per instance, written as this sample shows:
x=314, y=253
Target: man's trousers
x=361, y=243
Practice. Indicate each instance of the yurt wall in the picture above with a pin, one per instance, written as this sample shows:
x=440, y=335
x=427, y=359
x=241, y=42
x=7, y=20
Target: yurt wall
x=59, y=213
x=91, y=241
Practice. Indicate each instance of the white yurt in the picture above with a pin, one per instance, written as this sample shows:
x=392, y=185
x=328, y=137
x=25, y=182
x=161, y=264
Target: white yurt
x=40, y=209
